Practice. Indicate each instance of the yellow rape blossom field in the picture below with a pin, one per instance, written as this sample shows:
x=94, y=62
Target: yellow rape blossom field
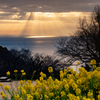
x=75, y=86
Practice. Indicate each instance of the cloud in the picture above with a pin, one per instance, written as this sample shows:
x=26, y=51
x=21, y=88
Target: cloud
x=24, y=6
x=31, y=16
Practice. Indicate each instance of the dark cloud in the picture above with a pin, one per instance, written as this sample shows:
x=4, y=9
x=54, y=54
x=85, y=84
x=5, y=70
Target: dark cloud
x=23, y=6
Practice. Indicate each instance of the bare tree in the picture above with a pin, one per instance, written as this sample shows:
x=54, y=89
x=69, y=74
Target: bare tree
x=84, y=45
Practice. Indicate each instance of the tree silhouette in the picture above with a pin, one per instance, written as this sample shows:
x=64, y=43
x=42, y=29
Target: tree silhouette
x=84, y=45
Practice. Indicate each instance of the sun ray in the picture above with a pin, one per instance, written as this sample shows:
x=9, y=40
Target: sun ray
x=42, y=24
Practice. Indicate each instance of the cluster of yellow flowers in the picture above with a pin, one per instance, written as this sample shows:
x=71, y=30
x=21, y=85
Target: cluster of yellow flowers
x=75, y=86
x=22, y=71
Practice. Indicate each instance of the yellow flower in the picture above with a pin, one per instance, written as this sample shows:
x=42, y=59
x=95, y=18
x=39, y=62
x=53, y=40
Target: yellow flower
x=84, y=98
x=56, y=87
x=66, y=87
x=37, y=95
x=94, y=66
x=64, y=81
x=51, y=94
x=56, y=81
x=68, y=68
x=28, y=81
x=22, y=71
x=4, y=96
x=23, y=91
x=99, y=97
x=68, y=76
x=72, y=71
x=20, y=98
x=76, y=75
x=61, y=75
x=61, y=72
x=97, y=68
x=79, y=81
x=74, y=86
x=90, y=94
x=85, y=88
x=41, y=73
x=6, y=87
x=44, y=75
x=78, y=63
x=62, y=93
x=57, y=98
x=22, y=82
x=16, y=96
x=1, y=84
x=78, y=91
x=16, y=92
x=50, y=69
x=30, y=97
x=93, y=62
x=95, y=86
x=65, y=71
x=2, y=93
x=41, y=78
x=8, y=73
x=77, y=98
x=15, y=71
x=46, y=96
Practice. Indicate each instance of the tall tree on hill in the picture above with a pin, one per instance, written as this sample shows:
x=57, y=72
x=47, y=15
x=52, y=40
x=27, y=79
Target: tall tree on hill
x=84, y=45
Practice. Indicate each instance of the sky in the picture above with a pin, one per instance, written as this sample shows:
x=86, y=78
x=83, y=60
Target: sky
x=32, y=18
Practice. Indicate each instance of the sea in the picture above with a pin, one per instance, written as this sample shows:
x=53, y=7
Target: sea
x=45, y=45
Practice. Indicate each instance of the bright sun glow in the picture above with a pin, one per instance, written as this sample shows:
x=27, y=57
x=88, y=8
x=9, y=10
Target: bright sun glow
x=38, y=36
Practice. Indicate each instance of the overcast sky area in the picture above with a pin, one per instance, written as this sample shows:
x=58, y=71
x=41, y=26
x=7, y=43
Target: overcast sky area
x=43, y=17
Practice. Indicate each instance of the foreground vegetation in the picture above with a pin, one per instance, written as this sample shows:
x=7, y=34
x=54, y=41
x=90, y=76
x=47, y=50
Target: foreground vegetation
x=24, y=60
x=75, y=86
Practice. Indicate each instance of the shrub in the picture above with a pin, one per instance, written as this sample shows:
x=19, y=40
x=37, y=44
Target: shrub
x=23, y=59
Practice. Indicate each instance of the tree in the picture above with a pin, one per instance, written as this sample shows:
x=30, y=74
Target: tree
x=23, y=59
x=84, y=45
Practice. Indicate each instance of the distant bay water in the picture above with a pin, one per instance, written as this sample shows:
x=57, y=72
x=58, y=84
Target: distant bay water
x=36, y=45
